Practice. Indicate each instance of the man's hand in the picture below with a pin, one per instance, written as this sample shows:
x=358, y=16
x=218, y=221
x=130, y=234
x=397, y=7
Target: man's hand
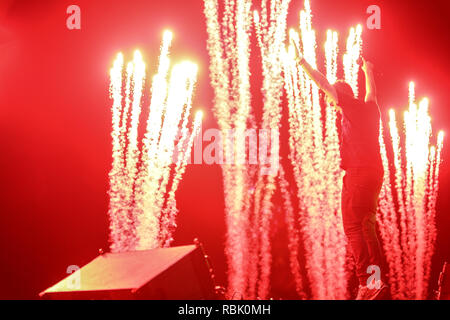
x=371, y=91
x=367, y=65
x=298, y=54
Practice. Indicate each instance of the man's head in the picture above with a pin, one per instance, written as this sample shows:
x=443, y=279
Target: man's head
x=342, y=87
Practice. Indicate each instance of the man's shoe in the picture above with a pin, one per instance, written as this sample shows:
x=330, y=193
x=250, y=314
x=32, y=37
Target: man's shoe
x=365, y=293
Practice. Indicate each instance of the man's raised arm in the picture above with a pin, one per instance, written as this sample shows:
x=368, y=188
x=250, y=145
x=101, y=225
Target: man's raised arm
x=371, y=90
x=320, y=80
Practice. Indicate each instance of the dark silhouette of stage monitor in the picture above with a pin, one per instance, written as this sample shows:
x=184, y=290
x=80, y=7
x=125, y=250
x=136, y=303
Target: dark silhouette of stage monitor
x=164, y=273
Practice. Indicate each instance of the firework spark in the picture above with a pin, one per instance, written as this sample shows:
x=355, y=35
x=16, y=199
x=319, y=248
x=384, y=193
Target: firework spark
x=228, y=46
x=351, y=57
x=248, y=215
x=409, y=244
x=139, y=179
x=315, y=156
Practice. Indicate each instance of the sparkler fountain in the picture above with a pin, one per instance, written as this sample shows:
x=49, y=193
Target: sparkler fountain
x=143, y=181
x=409, y=232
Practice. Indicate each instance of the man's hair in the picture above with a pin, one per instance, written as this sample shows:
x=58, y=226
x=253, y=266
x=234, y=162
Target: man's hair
x=343, y=87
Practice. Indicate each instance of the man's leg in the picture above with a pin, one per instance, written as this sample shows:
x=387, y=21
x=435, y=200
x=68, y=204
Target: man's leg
x=364, y=243
x=371, y=238
x=359, y=201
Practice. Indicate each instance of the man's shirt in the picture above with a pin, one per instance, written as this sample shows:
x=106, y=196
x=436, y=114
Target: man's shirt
x=359, y=141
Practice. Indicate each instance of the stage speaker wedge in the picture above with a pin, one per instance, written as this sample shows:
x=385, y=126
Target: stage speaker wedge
x=178, y=273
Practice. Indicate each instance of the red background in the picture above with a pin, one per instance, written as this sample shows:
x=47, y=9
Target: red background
x=55, y=120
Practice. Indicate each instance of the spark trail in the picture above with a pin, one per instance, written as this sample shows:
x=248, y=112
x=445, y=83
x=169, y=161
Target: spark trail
x=409, y=243
x=271, y=33
x=248, y=215
x=143, y=181
x=228, y=46
x=314, y=146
